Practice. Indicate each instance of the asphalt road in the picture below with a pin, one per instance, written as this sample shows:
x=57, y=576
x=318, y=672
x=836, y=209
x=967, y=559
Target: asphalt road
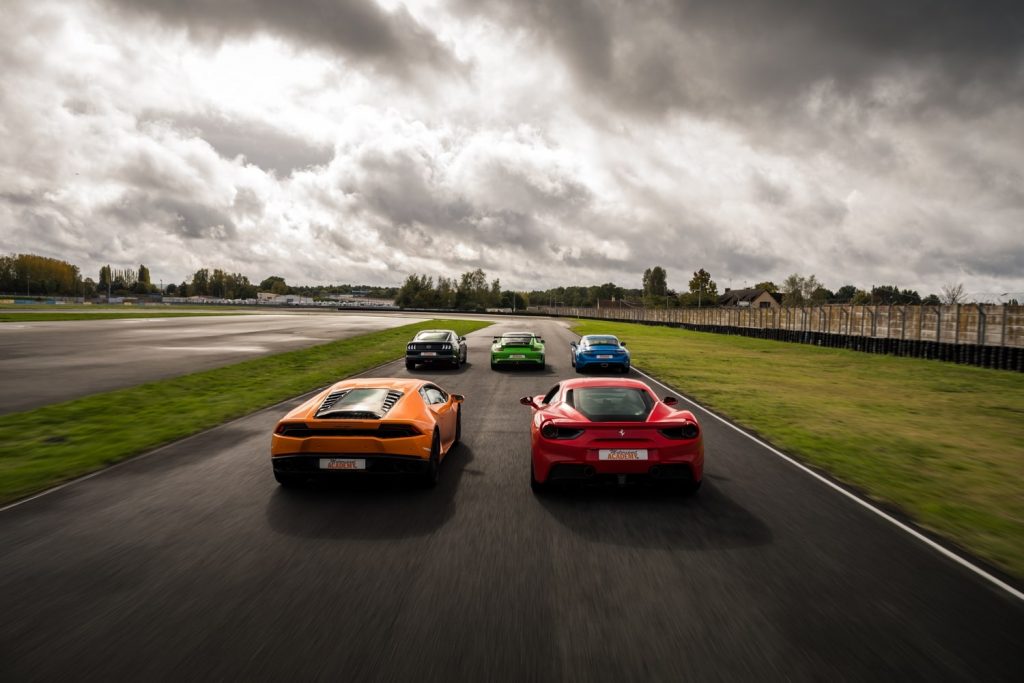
x=191, y=564
x=48, y=362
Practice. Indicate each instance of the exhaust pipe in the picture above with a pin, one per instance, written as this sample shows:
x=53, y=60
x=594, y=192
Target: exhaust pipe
x=655, y=472
x=589, y=471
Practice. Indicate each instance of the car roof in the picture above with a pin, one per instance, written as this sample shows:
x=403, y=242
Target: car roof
x=596, y=382
x=518, y=334
x=435, y=332
x=593, y=336
x=403, y=384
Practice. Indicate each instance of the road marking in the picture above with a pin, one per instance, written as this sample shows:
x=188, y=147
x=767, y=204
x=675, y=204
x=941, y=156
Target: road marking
x=962, y=561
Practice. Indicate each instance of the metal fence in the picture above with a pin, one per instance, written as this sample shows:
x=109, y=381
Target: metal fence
x=990, y=335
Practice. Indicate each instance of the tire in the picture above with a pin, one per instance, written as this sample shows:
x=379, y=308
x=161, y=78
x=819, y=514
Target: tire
x=433, y=471
x=536, y=486
x=288, y=481
x=458, y=428
x=494, y=366
x=410, y=365
x=579, y=370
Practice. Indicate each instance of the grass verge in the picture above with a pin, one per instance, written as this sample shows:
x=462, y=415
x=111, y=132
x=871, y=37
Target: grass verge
x=943, y=443
x=43, y=447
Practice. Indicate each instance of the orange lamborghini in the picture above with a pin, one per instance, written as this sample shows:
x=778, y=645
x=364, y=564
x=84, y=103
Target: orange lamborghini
x=368, y=425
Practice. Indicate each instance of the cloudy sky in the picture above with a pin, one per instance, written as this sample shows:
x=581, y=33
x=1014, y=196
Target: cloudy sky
x=547, y=142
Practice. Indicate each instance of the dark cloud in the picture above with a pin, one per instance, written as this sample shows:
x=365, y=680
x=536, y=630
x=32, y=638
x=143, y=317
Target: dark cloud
x=183, y=218
x=723, y=57
x=357, y=29
x=269, y=148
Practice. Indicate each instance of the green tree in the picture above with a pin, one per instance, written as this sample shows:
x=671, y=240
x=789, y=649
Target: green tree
x=472, y=292
x=105, y=278
x=845, y=294
x=703, y=290
x=416, y=292
x=860, y=298
x=767, y=286
x=268, y=284
x=655, y=282
x=201, y=283
x=799, y=289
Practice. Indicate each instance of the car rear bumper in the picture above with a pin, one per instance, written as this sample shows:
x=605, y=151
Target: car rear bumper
x=427, y=360
x=589, y=363
x=528, y=360
x=663, y=463
x=309, y=465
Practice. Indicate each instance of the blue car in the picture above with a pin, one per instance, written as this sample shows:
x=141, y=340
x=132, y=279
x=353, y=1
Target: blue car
x=599, y=351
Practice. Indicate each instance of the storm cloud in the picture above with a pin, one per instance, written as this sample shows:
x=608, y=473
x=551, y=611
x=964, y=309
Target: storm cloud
x=547, y=142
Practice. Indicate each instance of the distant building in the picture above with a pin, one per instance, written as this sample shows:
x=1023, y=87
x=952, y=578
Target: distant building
x=751, y=297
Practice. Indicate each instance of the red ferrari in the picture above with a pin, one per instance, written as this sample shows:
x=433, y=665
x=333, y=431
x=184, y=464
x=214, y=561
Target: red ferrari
x=613, y=430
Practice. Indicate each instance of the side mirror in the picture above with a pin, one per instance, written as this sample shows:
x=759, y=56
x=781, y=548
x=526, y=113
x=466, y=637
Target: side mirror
x=528, y=401
x=573, y=343
x=457, y=398
x=541, y=341
x=622, y=343
x=462, y=339
x=670, y=400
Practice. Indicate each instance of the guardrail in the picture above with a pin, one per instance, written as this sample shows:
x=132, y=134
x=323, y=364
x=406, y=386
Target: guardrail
x=989, y=335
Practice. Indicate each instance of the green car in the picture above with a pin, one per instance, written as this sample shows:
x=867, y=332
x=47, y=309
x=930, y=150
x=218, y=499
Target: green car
x=517, y=348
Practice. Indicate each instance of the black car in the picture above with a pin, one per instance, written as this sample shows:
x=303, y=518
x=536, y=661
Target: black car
x=436, y=347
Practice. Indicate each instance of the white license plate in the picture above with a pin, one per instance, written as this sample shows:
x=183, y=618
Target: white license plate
x=342, y=464
x=516, y=356
x=622, y=454
x=429, y=353
x=603, y=357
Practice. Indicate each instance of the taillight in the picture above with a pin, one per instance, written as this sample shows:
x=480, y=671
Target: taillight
x=686, y=431
x=552, y=431
x=399, y=431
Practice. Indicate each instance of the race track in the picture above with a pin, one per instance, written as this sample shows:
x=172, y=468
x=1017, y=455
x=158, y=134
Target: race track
x=192, y=564
x=49, y=362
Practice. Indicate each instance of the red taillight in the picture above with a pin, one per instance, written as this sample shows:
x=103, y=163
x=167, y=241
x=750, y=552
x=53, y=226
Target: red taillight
x=552, y=431
x=685, y=431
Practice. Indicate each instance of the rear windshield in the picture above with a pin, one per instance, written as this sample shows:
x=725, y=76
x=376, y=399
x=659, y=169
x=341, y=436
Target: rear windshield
x=369, y=401
x=516, y=337
x=432, y=336
x=603, y=341
x=611, y=404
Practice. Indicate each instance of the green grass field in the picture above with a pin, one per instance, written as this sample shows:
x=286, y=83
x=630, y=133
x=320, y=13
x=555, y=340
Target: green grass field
x=43, y=447
x=943, y=443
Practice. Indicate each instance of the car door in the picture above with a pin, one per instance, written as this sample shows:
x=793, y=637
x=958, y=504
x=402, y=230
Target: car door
x=443, y=408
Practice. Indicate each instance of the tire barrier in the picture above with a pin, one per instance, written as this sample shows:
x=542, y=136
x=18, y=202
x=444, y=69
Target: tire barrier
x=995, y=357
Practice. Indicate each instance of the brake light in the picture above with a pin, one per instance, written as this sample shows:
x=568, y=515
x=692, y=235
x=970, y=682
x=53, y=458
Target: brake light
x=552, y=431
x=686, y=431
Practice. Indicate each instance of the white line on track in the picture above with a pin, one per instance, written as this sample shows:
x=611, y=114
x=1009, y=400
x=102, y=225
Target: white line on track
x=967, y=564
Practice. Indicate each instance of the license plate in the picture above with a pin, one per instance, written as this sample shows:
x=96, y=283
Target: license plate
x=603, y=357
x=429, y=353
x=342, y=464
x=622, y=454
x=516, y=356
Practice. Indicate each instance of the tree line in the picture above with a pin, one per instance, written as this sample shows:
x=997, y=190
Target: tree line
x=35, y=275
